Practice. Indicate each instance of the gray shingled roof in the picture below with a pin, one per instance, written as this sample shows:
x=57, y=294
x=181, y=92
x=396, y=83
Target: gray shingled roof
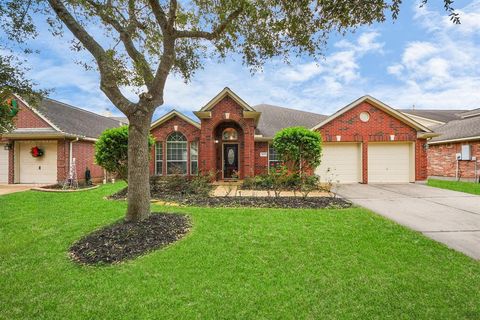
x=458, y=129
x=470, y=113
x=274, y=119
x=437, y=115
x=73, y=120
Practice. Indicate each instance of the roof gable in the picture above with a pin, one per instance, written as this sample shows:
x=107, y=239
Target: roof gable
x=71, y=120
x=222, y=94
x=380, y=105
x=172, y=114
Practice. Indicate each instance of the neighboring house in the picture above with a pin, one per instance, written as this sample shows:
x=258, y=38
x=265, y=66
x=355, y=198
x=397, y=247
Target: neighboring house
x=62, y=132
x=455, y=153
x=366, y=141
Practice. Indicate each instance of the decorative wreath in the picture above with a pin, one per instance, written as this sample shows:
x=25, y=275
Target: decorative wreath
x=10, y=108
x=36, y=152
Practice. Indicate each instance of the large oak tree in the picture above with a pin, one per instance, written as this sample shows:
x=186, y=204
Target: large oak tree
x=138, y=43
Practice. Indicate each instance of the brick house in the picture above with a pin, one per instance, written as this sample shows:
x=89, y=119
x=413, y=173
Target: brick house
x=366, y=141
x=62, y=132
x=455, y=153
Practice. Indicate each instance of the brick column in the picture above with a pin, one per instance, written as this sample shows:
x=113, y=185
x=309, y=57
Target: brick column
x=365, y=162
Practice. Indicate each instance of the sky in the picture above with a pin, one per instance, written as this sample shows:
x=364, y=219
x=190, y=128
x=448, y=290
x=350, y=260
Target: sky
x=421, y=60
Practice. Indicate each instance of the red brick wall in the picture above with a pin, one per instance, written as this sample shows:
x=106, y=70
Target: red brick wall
x=379, y=128
x=261, y=163
x=26, y=118
x=208, y=150
x=84, y=154
x=442, y=160
x=161, y=133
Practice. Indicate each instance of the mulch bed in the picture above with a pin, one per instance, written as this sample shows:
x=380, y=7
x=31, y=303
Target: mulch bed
x=127, y=240
x=255, y=202
x=269, y=202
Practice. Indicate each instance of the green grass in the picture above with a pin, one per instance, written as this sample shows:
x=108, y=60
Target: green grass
x=236, y=263
x=468, y=187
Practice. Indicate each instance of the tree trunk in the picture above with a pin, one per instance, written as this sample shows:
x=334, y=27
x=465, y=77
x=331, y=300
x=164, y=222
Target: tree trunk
x=138, y=166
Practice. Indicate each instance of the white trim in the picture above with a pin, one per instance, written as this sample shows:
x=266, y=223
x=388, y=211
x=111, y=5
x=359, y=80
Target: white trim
x=268, y=158
x=166, y=154
x=156, y=161
x=413, y=116
x=377, y=103
x=222, y=94
x=172, y=114
x=455, y=140
x=38, y=113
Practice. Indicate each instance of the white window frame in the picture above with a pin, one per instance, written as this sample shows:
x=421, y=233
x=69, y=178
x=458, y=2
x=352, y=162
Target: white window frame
x=184, y=143
x=269, y=155
x=157, y=161
x=193, y=143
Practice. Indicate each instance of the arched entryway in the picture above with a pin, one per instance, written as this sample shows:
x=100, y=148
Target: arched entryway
x=229, y=141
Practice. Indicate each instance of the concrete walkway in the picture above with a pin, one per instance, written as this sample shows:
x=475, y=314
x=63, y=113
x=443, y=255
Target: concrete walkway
x=450, y=217
x=12, y=188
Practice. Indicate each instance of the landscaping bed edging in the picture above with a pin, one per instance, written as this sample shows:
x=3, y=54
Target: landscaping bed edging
x=46, y=189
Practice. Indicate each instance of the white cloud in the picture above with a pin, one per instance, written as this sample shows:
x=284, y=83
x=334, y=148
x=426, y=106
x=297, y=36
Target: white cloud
x=443, y=72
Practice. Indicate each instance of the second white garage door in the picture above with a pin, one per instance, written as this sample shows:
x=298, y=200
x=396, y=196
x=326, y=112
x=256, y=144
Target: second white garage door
x=38, y=170
x=341, y=162
x=390, y=162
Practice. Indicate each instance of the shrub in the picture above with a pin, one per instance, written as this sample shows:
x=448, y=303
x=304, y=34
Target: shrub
x=111, y=151
x=299, y=147
x=176, y=185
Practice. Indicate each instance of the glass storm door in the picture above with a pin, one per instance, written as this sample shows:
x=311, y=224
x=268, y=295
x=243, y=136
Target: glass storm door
x=230, y=161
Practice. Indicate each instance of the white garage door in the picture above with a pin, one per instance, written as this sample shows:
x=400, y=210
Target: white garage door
x=41, y=169
x=389, y=162
x=341, y=162
x=3, y=164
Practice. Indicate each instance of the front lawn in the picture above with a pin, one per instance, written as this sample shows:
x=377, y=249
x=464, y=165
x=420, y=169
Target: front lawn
x=235, y=263
x=468, y=187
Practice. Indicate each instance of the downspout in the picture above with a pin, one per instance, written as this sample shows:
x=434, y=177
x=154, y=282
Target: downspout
x=70, y=158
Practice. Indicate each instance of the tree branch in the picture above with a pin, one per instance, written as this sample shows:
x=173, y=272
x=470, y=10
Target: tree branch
x=108, y=83
x=210, y=35
x=159, y=14
x=172, y=12
x=139, y=59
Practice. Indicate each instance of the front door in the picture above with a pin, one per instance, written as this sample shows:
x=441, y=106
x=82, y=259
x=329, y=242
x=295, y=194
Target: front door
x=230, y=161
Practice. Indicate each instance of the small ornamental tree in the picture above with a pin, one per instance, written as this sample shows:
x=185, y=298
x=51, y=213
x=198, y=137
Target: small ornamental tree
x=111, y=150
x=299, y=147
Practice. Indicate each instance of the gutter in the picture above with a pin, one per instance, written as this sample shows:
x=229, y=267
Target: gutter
x=455, y=140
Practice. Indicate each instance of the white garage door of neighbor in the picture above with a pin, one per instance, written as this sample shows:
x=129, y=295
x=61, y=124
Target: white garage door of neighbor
x=389, y=162
x=41, y=169
x=3, y=164
x=341, y=162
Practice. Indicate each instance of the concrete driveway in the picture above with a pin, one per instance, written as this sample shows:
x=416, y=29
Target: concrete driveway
x=450, y=217
x=11, y=188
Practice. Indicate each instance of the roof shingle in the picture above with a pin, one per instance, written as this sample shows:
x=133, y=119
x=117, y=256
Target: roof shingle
x=274, y=119
x=73, y=120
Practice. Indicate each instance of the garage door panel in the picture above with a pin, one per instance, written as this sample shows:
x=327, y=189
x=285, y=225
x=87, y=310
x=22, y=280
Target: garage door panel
x=389, y=162
x=3, y=164
x=41, y=169
x=340, y=162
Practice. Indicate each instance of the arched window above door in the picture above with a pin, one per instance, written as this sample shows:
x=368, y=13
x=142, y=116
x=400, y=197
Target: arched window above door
x=229, y=134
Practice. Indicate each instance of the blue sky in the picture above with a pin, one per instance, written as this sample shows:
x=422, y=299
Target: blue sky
x=421, y=59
